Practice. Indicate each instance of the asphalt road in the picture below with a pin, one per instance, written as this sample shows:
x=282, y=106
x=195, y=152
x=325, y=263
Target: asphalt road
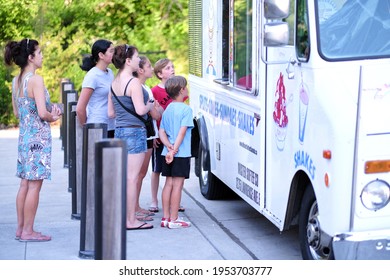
x=245, y=226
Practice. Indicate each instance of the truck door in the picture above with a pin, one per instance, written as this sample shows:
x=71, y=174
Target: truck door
x=281, y=90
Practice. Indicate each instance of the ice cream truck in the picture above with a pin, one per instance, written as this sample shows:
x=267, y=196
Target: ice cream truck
x=291, y=103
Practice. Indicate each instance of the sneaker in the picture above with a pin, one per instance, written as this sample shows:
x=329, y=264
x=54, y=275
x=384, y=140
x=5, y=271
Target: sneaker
x=178, y=223
x=164, y=222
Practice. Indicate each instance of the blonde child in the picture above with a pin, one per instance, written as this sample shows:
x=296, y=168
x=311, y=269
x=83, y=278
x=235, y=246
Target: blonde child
x=163, y=69
x=175, y=134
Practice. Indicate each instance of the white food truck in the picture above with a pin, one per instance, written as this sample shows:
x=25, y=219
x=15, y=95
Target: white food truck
x=291, y=104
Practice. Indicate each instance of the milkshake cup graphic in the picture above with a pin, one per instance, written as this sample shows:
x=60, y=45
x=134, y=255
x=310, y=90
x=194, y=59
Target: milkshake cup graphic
x=280, y=134
x=303, y=106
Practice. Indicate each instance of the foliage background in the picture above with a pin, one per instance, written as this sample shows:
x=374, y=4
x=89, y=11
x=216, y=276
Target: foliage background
x=66, y=30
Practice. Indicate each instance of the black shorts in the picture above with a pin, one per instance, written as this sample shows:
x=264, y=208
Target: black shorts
x=179, y=167
x=111, y=133
x=149, y=144
x=157, y=159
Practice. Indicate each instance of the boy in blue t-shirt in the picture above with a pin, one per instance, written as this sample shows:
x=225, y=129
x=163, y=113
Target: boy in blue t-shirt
x=175, y=134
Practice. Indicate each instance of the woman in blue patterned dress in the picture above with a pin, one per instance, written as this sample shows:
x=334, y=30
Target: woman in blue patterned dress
x=31, y=104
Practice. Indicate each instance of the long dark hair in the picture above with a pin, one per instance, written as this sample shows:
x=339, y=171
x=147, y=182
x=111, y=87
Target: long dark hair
x=90, y=60
x=18, y=52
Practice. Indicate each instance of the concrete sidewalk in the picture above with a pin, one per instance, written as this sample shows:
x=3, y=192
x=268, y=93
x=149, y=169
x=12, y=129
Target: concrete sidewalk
x=54, y=218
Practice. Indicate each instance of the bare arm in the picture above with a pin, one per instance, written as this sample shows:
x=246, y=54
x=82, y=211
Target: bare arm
x=81, y=109
x=111, y=108
x=179, y=138
x=164, y=138
x=36, y=90
x=138, y=98
x=157, y=111
x=172, y=149
x=14, y=107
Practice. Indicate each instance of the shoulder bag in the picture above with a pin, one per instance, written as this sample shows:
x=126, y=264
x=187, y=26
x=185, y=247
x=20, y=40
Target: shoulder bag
x=148, y=122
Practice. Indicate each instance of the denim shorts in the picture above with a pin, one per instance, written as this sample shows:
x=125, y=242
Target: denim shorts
x=135, y=138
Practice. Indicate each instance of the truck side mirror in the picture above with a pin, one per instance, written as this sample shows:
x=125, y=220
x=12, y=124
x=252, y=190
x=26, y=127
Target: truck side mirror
x=276, y=9
x=276, y=34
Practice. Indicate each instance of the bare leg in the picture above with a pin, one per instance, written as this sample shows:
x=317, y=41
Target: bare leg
x=155, y=177
x=20, y=201
x=30, y=211
x=143, y=172
x=154, y=184
x=177, y=188
x=134, y=163
x=166, y=197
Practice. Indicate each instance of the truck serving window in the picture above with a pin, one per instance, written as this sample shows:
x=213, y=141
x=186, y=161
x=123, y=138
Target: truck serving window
x=302, y=34
x=353, y=29
x=237, y=43
x=242, y=48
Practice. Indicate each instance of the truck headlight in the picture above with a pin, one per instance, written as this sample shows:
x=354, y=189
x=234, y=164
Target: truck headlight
x=375, y=195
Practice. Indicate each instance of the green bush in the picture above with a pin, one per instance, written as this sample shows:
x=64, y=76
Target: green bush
x=7, y=117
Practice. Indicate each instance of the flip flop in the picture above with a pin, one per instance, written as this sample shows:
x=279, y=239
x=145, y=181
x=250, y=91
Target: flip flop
x=144, y=212
x=17, y=236
x=144, y=218
x=153, y=209
x=141, y=227
x=37, y=238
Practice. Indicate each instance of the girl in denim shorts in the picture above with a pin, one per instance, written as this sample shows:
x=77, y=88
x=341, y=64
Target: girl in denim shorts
x=126, y=94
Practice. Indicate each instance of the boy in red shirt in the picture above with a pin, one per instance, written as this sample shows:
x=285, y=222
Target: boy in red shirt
x=163, y=69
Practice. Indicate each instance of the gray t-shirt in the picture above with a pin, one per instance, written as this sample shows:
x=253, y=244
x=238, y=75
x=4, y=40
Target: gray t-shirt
x=97, y=108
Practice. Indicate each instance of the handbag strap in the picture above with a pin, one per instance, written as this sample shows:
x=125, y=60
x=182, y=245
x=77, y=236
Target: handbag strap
x=127, y=109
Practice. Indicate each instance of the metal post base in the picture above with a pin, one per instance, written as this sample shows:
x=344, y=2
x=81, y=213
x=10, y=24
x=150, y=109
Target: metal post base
x=87, y=254
x=76, y=216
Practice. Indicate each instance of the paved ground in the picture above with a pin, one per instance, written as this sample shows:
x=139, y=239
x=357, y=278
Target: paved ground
x=206, y=250
x=54, y=218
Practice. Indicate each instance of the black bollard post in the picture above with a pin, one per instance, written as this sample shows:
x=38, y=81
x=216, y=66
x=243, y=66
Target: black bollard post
x=66, y=85
x=71, y=95
x=76, y=192
x=110, y=199
x=72, y=145
x=92, y=133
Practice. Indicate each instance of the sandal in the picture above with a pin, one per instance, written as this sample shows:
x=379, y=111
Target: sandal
x=142, y=217
x=35, y=238
x=153, y=209
x=143, y=226
x=181, y=209
x=17, y=236
x=144, y=212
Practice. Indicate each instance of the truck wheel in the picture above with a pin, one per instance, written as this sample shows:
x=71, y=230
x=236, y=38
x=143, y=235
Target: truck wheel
x=210, y=186
x=197, y=164
x=315, y=244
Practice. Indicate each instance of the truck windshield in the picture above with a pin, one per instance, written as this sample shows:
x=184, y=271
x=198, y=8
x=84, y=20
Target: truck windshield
x=353, y=29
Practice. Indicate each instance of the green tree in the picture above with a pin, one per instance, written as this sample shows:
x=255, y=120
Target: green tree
x=157, y=28
x=15, y=21
x=66, y=29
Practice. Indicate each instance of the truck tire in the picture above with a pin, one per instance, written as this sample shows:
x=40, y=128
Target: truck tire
x=313, y=241
x=210, y=186
x=197, y=164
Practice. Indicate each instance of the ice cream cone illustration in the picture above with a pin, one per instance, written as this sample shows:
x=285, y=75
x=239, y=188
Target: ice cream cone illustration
x=279, y=114
x=303, y=106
